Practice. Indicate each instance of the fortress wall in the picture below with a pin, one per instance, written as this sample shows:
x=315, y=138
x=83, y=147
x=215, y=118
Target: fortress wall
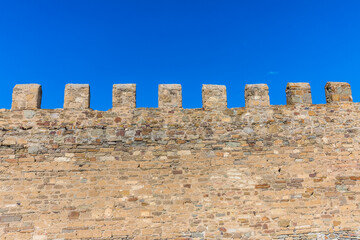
x=258, y=172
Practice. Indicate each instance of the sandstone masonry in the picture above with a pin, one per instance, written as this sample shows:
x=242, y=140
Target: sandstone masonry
x=257, y=172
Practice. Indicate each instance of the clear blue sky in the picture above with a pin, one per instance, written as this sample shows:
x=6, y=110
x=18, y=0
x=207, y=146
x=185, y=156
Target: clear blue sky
x=191, y=42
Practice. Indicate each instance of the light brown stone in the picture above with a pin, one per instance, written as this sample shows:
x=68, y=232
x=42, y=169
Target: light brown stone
x=338, y=92
x=256, y=172
x=257, y=95
x=124, y=96
x=77, y=96
x=298, y=93
x=214, y=97
x=26, y=96
x=170, y=96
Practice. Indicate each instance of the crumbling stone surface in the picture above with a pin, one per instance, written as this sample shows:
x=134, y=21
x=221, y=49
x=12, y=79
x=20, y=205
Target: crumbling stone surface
x=275, y=172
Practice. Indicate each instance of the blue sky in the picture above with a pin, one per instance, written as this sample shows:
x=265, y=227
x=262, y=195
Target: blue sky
x=190, y=42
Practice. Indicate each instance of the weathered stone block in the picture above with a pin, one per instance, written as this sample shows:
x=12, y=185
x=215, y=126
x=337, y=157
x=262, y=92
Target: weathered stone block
x=10, y=218
x=74, y=215
x=124, y=96
x=257, y=95
x=214, y=96
x=26, y=96
x=298, y=93
x=77, y=96
x=338, y=92
x=284, y=223
x=170, y=96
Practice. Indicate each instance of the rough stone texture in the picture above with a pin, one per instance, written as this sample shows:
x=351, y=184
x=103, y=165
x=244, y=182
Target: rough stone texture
x=298, y=93
x=338, y=92
x=170, y=96
x=279, y=172
x=214, y=97
x=77, y=96
x=10, y=218
x=257, y=95
x=124, y=96
x=26, y=96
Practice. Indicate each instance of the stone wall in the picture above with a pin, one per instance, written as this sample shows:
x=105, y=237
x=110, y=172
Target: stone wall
x=258, y=172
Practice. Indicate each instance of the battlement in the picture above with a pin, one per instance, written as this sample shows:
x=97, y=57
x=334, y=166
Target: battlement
x=77, y=96
x=256, y=172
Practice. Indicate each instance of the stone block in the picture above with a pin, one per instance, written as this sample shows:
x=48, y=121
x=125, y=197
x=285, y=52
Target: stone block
x=124, y=96
x=77, y=96
x=26, y=96
x=338, y=92
x=214, y=97
x=298, y=93
x=10, y=218
x=257, y=95
x=170, y=96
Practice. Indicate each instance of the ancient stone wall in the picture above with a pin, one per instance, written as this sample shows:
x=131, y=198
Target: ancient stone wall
x=258, y=172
